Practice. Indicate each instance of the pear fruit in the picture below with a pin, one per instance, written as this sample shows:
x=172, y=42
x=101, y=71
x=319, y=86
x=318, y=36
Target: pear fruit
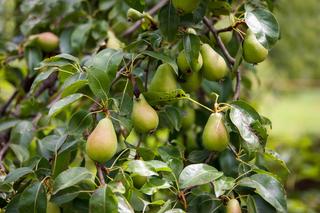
x=163, y=194
x=139, y=181
x=144, y=117
x=185, y=6
x=164, y=80
x=47, y=41
x=113, y=42
x=233, y=206
x=191, y=82
x=223, y=22
x=215, y=136
x=102, y=142
x=214, y=66
x=188, y=117
x=253, y=51
x=184, y=66
x=52, y=208
x=134, y=15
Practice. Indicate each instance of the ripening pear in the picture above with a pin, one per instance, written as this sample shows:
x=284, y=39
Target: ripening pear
x=113, y=42
x=215, y=136
x=102, y=142
x=184, y=66
x=233, y=206
x=164, y=80
x=144, y=117
x=185, y=6
x=253, y=51
x=214, y=66
x=47, y=41
x=192, y=81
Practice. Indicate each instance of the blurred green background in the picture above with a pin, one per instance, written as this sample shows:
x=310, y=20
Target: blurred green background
x=289, y=94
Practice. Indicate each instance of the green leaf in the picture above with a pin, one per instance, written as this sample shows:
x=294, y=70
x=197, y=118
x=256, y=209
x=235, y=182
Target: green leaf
x=136, y=4
x=41, y=77
x=153, y=185
x=222, y=185
x=22, y=134
x=102, y=70
x=169, y=22
x=123, y=205
x=21, y=152
x=198, y=156
x=255, y=204
x=8, y=123
x=242, y=118
x=16, y=174
x=62, y=103
x=159, y=166
x=80, y=36
x=74, y=83
x=70, y=177
x=264, y=25
x=33, y=199
x=170, y=117
x=33, y=57
x=191, y=45
x=66, y=195
x=103, y=200
x=164, y=58
x=175, y=211
x=268, y=188
x=79, y=121
x=139, y=167
x=198, y=174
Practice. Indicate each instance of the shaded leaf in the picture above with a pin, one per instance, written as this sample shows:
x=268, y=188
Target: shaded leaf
x=33, y=199
x=103, y=200
x=16, y=174
x=169, y=22
x=164, y=58
x=62, y=103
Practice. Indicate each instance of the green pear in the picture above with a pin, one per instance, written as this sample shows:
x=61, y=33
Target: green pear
x=192, y=82
x=134, y=15
x=185, y=6
x=164, y=80
x=188, y=117
x=113, y=42
x=184, y=66
x=214, y=66
x=144, y=117
x=215, y=136
x=223, y=22
x=253, y=51
x=52, y=208
x=163, y=194
x=47, y=41
x=233, y=206
x=102, y=142
x=139, y=181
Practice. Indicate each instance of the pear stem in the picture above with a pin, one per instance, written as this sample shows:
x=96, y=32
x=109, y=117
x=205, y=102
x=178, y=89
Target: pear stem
x=196, y=102
x=100, y=174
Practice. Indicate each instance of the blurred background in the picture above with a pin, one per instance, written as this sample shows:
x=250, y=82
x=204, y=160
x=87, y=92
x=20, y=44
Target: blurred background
x=289, y=94
x=287, y=91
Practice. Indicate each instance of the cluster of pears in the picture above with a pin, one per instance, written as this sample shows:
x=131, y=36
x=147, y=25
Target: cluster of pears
x=209, y=64
x=253, y=51
x=102, y=143
x=47, y=41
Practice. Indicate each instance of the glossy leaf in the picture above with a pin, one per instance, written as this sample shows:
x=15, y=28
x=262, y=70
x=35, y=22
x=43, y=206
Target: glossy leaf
x=191, y=45
x=73, y=84
x=103, y=201
x=169, y=21
x=33, y=199
x=62, y=103
x=222, y=185
x=198, y=174
x=139, y=167
x=17, y=174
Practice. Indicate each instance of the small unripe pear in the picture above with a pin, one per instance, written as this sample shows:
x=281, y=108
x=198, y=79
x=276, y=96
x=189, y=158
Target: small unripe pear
x=192, y=81
x=253, y=51
x=215, y=136
x=184, y=66
x=233, y=206
x=164, y=80
x=139, y=181
x=102, y=142
x=214, y=66
x=185, y=6
x=144, y=117
x=134, y=15
x=223, y=22
x=163, y=194
x=47, y=41
x=188, y=117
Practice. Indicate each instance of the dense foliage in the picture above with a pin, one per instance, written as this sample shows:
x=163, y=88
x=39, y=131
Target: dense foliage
x=134, y=106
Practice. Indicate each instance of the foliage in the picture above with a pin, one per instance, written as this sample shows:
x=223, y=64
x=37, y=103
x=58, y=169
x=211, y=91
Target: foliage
x=102, y=63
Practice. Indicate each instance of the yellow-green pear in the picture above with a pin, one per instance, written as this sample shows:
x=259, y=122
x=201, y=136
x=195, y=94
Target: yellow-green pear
x=253, y=51
x=164, y=80
x=185, y=6
x=184, y=66
x=139, y=181
x=102, y=142
x=134, y=15
x=233, y=206
x=52, y=208
x=188, y=117
x=47, y=41
x=113, y=42
x=215, y=136
x=163, y=194
x=223, y=22
x=191, y=82
x=214, y=66
x=144, y=117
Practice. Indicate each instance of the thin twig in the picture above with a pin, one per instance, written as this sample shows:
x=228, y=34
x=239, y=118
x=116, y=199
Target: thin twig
x=4, y=137
x=231, y=27
x=100, y=174
x=236, y=95
x=152, y=11
x=224, y=50
x=48, y=83
x=7, y=104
